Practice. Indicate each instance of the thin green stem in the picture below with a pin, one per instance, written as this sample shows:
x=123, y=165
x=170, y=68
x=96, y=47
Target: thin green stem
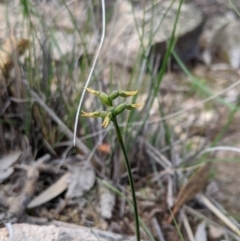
x=120, y=140
x=118, y=192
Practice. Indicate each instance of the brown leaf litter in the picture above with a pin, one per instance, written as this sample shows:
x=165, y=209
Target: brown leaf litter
x=196, y=183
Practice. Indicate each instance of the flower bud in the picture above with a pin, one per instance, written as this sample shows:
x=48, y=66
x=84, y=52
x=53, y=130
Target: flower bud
x=120, y=108
x=91, y=114
x=101, y=95
x=103, y=114
x=104, y=98
x=107, y=100
x=113, y=95
x=106, y=120
x=127, y=93
x=94, y=92
x=133, y=106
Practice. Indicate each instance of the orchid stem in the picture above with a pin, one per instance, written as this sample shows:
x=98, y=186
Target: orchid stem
x=120, y=140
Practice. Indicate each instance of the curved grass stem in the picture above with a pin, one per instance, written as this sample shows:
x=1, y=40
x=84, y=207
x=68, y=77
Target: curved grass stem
x=120, y=140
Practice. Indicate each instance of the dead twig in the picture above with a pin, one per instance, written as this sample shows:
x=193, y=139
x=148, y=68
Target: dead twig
x=158, y=229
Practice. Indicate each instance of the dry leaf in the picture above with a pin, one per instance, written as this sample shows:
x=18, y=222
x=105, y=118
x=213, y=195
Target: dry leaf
x=53, y=191
x=81, y=180
x=5, y=164
x=195, y=184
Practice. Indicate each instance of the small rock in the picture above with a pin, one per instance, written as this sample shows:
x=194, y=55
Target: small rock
x=215, y=232
x=106, y=201
x=125, y=40
x=201, y=234
x=226, y=43
x=212, y=188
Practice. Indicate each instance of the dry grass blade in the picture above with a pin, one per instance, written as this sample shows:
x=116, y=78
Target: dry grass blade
x=48, y=130
x=219, y=214
x=9, y=47
x=62, y=126
x=57, y=188
x=199, y=215
x=195, y=185
x=158, y=229
x=91, y=72
x=187, y=226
